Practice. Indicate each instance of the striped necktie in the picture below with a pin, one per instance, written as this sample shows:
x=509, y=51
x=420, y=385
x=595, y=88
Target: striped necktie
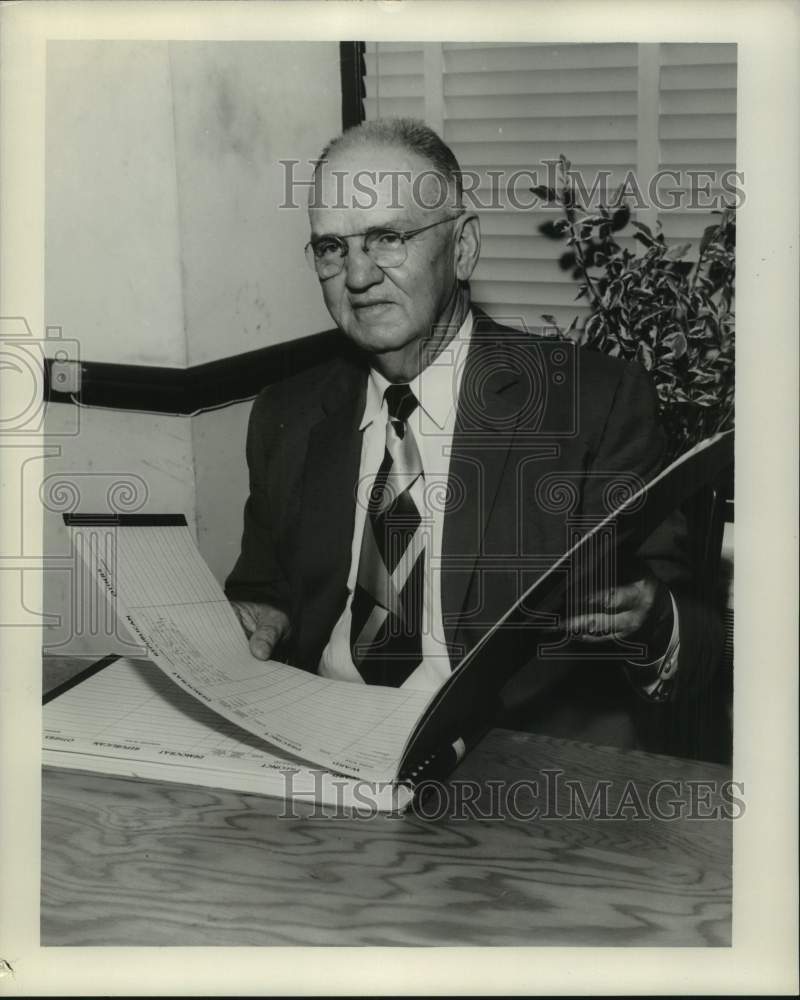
x=386, y=626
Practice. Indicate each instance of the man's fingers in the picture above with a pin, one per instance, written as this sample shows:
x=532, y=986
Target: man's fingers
x=265, y=626
x=599, y=627
x=602, y=601
x=633, y=595
x=246, y=617
x=263, y=641
x=623, y=597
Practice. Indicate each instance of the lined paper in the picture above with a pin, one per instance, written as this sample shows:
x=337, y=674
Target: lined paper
x=168, y=598
x=130, y=719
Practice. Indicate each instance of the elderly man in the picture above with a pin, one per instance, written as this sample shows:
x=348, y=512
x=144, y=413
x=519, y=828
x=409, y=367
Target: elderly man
x=403, y=497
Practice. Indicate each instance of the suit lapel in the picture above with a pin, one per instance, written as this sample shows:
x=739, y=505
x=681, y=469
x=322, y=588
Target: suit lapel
x=331, y=474
x=491, y=402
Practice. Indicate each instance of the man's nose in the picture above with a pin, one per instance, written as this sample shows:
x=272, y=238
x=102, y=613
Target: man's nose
x=360, y=269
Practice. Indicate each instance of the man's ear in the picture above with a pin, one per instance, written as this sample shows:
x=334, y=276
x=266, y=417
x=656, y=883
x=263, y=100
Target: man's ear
x=468, y=247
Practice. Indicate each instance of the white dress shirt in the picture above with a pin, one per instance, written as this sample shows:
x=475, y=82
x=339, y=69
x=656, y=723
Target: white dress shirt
x=432, y=423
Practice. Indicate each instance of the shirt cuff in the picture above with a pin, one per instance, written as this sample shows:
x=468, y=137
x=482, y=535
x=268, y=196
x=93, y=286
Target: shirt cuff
x=656, y=680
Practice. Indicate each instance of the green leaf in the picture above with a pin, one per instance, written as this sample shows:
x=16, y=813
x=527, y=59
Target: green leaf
x=551, y=229
x=544, y=193
x=705, y=400
x=643, y=228
x=645, y=356
x=620, y=218
x=675, y=253
x=708, y=235
x=702, y=377
x=592, y=323
x=566, y=260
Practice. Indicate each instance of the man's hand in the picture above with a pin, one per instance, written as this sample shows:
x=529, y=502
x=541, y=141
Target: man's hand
x=264, y=625
x=641, y=609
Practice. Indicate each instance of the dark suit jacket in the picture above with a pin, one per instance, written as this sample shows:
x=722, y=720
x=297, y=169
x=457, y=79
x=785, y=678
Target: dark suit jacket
x=543, y=433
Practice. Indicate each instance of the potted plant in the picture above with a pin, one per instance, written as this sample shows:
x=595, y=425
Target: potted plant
x=673, y=316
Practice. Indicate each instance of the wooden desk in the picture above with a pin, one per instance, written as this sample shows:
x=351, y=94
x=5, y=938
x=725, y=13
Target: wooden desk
x=127, y=862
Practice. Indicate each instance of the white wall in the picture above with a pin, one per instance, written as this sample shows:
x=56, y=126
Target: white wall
x=165, y=246
x=112, y=258
x=220, y=471
x=165, y=242
x=246, y=283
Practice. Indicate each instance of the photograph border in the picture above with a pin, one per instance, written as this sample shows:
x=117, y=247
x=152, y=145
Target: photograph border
x=763, y=958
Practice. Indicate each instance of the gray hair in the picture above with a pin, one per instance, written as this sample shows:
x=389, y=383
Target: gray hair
x=411, y=134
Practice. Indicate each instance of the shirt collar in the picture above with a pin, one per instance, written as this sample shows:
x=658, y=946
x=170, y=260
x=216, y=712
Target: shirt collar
x=436, y=387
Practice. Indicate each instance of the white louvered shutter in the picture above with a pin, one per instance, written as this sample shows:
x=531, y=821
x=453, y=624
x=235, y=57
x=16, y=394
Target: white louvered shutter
x=514, y=106
x=696, y=128
x=517, y=106
x=395, y=80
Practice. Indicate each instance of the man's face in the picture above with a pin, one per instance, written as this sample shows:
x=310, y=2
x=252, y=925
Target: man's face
x=387, y=310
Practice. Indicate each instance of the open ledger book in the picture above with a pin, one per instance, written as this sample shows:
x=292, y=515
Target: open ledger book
x=202, y=710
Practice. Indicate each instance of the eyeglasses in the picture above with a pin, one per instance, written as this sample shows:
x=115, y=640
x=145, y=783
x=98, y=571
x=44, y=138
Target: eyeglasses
x=385, y=247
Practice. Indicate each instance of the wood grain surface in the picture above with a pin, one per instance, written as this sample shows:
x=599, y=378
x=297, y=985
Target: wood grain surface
x=127, y=862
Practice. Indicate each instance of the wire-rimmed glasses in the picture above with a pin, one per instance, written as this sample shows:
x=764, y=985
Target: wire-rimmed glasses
x=384, y=246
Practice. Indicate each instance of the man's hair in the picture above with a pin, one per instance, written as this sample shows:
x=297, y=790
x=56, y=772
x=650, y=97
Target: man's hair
x=411, y=134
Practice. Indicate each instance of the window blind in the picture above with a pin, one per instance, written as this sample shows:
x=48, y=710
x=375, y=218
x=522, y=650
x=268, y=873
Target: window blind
x=512, y=107
x=395, y=81
x=697, y=130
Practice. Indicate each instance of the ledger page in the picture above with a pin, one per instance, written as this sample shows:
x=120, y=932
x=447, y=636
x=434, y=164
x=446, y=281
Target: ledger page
x=130, y=719
x=167, y=597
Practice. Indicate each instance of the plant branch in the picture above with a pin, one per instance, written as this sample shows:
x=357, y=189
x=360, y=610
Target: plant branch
x=581, y=259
